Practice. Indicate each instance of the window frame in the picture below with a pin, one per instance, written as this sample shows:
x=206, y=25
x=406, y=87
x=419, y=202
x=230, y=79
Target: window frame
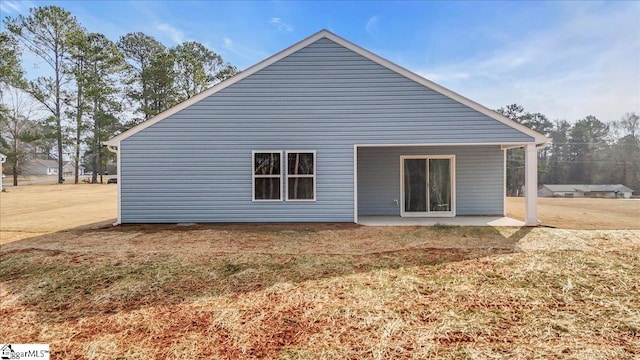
x=312, y=176
x=254, y=176
x=429, y=213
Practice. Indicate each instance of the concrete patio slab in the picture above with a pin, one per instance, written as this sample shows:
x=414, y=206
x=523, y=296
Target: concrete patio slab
x=452, y=221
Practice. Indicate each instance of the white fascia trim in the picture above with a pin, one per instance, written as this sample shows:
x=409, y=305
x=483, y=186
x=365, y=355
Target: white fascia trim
x=518, y=144
x=506, y=147
x=538, y=146
x=538, y=138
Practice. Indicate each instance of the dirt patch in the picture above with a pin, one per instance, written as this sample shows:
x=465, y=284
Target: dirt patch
x=271, y=239
x=590, y=214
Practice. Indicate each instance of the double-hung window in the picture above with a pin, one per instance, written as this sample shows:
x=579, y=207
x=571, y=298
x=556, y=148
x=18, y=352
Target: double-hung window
x=301, y=175
x=272, y=172
x=267, y=176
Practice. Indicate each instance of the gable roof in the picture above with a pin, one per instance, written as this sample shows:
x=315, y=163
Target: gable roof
x=587, y=188
x=44, y=162
x=70, y=164
x=539, y=138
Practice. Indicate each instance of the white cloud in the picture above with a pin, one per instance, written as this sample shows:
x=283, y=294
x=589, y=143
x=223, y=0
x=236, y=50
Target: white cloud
x=242, y=50
x=174, y=34
x=587, y=65
x=8, y=7
x=372, y=25
x=444, y=76
x=15, y=7
x=280, y=25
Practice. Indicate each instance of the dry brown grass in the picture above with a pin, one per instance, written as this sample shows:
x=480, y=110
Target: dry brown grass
x=582, y=213
x=324, y=292
x=308, y=291
x=30, y=210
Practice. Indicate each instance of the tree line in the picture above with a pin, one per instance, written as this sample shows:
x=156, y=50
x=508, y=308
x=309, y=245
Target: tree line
x=89, y=83
x=588, y=151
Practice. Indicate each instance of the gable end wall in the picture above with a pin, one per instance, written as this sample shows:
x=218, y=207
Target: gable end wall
x=195, y=166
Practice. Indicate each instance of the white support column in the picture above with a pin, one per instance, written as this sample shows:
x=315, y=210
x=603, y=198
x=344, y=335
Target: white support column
x=531, y=185
x=116, y=150
x=3, y=158
x=355, y=184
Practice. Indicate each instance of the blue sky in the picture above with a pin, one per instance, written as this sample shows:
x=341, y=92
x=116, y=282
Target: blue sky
x=564, y=59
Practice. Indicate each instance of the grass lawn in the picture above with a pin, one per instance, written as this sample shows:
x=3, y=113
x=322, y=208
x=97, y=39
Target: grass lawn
x=582, y=213
x=324, y=291
x=31, y=210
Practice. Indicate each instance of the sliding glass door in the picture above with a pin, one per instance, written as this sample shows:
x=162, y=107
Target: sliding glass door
x=427, y=185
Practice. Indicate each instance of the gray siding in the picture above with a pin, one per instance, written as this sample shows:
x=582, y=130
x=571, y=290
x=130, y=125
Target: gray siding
x=479, y=178
x=544, y=192
x=196, y=164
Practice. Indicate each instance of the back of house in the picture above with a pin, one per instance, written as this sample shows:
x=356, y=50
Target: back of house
x=323, y=131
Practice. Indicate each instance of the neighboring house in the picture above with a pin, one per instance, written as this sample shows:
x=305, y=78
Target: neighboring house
x=69, y=169
x=578, y=191
x=323, y=131
x=40, y=167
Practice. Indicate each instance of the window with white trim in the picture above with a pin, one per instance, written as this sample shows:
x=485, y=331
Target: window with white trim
x=301, y=175
x=267, y=176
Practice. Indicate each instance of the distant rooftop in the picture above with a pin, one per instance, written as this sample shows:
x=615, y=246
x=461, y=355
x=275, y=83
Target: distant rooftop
x=587, y=188
x=47, y=163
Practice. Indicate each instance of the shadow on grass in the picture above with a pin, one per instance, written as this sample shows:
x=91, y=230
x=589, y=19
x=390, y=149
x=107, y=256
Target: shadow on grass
x=61, y=278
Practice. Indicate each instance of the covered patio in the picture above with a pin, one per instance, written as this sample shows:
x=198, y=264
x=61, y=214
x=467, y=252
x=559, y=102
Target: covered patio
x=451, y=184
